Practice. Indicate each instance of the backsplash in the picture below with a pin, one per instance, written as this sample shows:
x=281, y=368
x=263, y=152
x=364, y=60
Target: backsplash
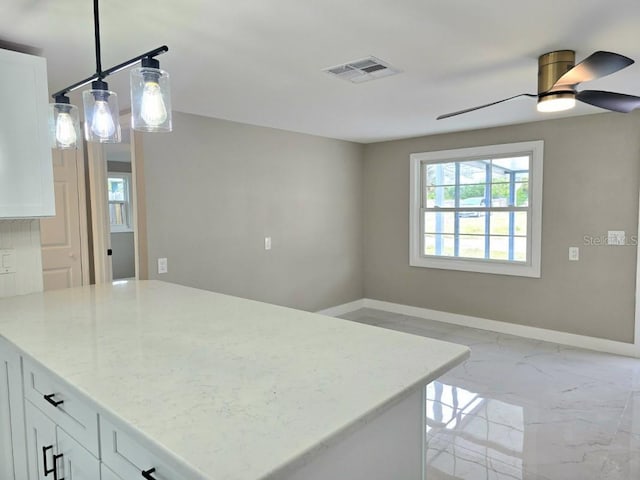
x=24, y=237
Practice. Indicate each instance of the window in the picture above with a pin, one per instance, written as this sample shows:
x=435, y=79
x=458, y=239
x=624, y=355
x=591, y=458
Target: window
x=119, y=201
x=478, y=209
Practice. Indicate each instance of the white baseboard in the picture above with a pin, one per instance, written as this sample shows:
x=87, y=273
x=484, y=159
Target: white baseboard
x=342, y=309
x=553, y=336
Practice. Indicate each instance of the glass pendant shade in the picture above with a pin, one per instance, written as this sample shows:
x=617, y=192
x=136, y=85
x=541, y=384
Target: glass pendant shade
x=64, y=125
x=150, y=99
x=101, y=114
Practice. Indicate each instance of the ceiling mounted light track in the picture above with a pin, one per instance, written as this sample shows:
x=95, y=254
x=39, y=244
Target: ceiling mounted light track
x=150, y=100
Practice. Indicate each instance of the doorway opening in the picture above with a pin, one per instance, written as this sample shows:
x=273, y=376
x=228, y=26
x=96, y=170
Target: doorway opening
x=120, y=192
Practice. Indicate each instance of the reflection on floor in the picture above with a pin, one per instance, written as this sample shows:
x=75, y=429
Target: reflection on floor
x=524, y=409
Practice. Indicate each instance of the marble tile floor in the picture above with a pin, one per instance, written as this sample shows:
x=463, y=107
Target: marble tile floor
x=525, y=409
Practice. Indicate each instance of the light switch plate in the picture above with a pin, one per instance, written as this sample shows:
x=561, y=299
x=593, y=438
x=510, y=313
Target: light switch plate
x=163, y=265
x=267, y=243
x=574, y=254
x=616, y=237
x=7, y=261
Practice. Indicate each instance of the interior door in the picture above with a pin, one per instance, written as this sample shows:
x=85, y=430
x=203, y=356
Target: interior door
x=77, y=463
x=61, y=235
x=41, y=443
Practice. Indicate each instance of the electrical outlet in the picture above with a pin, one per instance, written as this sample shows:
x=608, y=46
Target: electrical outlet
x=162, y=265
x=267, y=243
x=574, y=254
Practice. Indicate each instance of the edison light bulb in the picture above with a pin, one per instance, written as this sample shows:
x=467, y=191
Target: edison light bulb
x=65, y=130
x=102, y=124
x=152, y=108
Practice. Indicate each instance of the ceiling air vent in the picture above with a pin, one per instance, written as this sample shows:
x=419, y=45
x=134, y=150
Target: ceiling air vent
x=362, y=70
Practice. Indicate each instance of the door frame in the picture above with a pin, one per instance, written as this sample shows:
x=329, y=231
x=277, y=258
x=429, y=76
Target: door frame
x=100, y=225
x=83, y=213
x=99, y=208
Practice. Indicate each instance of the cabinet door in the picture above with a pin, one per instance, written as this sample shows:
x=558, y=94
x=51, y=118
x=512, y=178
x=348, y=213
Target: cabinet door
x=41, y=443
x=107, y=474
x=76, y=462
x=6, y=448
x=26, y=183
x=13, y=458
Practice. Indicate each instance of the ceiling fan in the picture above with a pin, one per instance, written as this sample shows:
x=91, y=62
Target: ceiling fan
x=558, y=76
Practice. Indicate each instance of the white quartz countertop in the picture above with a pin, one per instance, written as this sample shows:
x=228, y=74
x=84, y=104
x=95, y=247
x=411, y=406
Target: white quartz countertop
x=233, y=388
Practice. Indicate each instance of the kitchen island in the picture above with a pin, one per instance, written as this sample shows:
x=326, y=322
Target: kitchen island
x=161, y=381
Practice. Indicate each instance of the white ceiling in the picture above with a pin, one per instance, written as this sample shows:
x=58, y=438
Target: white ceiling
x=260, y=61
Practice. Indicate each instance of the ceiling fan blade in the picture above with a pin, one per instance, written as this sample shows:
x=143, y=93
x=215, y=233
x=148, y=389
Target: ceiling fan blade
x=616, y=102
x=596, y=65
x=467, y=110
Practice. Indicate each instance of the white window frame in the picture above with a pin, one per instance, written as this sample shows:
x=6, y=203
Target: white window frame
x=127, y=185
x=530, y=268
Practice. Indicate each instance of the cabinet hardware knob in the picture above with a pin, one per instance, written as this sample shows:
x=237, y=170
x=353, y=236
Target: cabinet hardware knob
x=46, y=469
x=55, y=466
x=146, y=474
x=55, y=403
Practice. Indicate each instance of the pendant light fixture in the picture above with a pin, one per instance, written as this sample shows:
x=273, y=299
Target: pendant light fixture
x=150, y=100
x=64, y=123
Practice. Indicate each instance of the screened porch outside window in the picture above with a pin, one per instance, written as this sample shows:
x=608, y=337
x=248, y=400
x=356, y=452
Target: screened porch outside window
x=477, y=208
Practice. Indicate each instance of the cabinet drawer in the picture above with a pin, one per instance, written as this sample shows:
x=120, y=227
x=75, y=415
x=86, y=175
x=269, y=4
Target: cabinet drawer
x=128, y=458
x=74, y=414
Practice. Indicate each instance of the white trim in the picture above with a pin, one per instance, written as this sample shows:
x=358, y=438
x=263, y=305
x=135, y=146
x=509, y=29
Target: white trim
x=85, y=262
x=637, y=299
x=534, y=333
x=529, y=269
x=342, y=309
x=98, y=196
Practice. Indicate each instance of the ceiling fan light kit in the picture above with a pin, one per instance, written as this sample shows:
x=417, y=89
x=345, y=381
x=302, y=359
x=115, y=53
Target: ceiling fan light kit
x=150, y=100
x=558, y=77
x=556, y=102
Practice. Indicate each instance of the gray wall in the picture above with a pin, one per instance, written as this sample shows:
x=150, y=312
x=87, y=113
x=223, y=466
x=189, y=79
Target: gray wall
x=123, y=259
x=215, y=189
x=591, y=181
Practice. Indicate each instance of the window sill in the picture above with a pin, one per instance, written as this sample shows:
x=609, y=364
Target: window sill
x=123, y=230
x=478, y=266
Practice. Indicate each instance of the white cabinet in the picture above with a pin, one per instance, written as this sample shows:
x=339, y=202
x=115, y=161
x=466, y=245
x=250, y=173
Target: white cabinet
x=49, y=431
x=53, y=452
x=26, y=178
x=74, y=414
x=77, y=462
x=107, y=474
x=41, y=444
x=129, y=457
x=13, y=459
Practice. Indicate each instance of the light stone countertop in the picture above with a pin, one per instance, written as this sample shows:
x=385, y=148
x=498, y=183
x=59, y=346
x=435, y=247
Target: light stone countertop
x=235, y=389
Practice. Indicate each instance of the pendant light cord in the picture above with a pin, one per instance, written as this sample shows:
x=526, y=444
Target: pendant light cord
x=96, y=26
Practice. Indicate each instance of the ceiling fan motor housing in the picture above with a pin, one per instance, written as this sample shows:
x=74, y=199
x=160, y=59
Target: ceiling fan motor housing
x=551, y=66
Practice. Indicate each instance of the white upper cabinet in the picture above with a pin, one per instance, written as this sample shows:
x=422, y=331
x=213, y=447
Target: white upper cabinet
x=26, y=171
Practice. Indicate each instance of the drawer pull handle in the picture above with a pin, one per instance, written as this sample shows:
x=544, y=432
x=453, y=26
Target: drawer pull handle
x=47, y=470
x=55, y=467
x=55, y=403
x=145, y=473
